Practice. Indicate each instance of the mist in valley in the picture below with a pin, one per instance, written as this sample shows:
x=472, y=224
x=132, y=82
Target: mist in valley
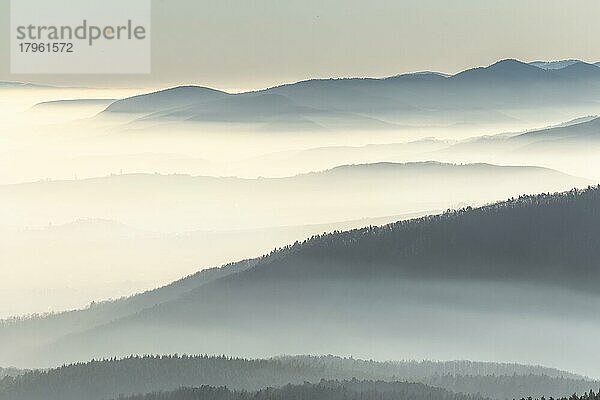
x=97, y=207
x=355, y=217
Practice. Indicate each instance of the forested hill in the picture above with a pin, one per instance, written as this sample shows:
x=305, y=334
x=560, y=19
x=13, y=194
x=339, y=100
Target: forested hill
x=528, y=262
x=411, y=369
x=549, y=238
x=324, y=390
x=134, y=375
x=332, y=390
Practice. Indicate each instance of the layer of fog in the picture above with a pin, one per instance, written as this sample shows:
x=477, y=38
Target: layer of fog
x=410, y=320
x=48, y=264
x=43, y=268
x=65, y=267
x=66, y=140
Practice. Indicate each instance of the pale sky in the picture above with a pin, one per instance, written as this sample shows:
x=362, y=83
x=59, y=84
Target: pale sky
x=256, y=43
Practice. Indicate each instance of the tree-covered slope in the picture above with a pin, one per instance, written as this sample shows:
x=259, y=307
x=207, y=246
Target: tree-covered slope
x=526, y=265
x=547, y=238
x=324, y=390
x=137, y=375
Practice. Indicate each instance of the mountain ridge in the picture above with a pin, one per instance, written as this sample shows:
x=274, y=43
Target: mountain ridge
x=393, y=100
x=143, y=374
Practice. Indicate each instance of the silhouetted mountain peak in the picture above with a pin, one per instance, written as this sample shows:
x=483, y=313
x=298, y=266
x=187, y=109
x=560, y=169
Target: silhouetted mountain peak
x=580, y=70
x=508, y=63
x=179, y=96
x=509, y=69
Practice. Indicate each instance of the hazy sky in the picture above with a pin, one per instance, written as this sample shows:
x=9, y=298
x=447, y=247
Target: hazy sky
x=255, y=43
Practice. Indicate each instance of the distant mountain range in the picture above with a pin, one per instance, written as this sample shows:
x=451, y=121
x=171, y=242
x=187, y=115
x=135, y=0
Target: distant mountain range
x=571, y=144
x=490, y=93
x=228, y=203
x=583, y=132
x=572, y=147
x=503, y=93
